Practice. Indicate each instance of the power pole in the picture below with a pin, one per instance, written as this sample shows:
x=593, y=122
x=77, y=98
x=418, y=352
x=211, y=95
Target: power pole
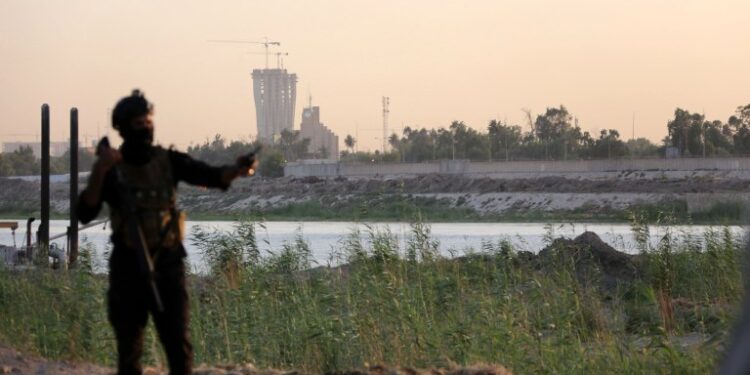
x=386, y=111
x=43, y=230
x=73, y=224
x=453, y=144
x=632, y=138
x=703, y=131
x=280, y=60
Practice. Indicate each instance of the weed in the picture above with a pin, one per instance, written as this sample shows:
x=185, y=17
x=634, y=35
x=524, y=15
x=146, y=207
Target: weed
x=408, y=306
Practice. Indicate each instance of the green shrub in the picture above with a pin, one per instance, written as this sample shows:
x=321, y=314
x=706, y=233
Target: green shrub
x=406, y=306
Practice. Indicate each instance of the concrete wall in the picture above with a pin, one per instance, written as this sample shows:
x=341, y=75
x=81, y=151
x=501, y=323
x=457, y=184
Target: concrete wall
x=727, y=164
x=363, y=170
x=333, y=169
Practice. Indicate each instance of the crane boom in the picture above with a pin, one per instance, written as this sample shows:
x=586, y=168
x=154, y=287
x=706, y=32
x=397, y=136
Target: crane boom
x=265, y=44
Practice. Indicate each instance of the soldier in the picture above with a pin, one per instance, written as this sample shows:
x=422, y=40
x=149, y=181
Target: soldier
x=146, y=176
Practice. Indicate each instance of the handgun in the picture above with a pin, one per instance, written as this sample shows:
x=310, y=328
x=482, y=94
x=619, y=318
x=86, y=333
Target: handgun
x=102, y=145
x=248, y=159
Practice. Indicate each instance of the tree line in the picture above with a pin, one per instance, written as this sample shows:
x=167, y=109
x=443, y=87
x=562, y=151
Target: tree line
x=553, y=135
x=290, y=146
x=217, y=151
x=556, y=135
x=22, y=162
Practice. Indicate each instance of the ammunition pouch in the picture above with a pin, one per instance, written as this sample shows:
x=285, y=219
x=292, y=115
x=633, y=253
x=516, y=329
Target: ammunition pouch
x=153, y=191
x=163, y=229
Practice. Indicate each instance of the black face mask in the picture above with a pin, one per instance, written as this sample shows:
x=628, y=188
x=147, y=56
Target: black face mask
x=137, y=145
x=139, y=136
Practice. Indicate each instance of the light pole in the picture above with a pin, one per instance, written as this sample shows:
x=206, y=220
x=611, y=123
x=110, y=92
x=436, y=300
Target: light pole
x=453, y=144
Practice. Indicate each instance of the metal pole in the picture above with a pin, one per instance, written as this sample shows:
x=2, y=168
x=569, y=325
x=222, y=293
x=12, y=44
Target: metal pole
x=29, y=248
x=44, y=226
x=73, y=185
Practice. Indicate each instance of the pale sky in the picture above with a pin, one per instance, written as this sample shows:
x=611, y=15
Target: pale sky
x=438, y=61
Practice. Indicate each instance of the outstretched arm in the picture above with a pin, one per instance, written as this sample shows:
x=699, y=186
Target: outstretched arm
x=240, y=169
x=196, y=172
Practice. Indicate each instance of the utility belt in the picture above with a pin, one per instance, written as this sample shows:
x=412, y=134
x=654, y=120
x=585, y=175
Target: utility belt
x=162, y=229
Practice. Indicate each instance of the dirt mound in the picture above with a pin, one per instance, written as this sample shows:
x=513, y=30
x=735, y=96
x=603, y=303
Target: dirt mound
x=595, y=261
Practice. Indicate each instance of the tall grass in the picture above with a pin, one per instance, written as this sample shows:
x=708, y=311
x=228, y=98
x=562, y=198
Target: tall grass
x=410, y=306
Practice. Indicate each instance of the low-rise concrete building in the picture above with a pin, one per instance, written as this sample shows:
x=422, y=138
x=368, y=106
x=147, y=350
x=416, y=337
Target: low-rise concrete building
x=324, y=144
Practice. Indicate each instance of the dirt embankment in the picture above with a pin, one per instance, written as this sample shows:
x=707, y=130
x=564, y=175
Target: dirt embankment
x=460, y=184
x=481, y=194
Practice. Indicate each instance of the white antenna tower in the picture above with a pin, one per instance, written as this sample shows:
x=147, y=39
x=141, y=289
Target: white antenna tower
x=386, y=111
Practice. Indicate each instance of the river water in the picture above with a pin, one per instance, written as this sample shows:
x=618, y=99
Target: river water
x=325, y=238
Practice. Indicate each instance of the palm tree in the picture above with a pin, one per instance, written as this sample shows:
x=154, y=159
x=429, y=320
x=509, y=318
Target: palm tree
x=349, y=141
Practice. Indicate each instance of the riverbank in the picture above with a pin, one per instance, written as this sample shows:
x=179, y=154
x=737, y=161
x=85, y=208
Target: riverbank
x=704, y=198
x=721, y=213
x=401, y=209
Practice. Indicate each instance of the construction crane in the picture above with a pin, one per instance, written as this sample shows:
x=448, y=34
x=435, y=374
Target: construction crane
x=279, y=60
x=265, y=44
x=386, y=111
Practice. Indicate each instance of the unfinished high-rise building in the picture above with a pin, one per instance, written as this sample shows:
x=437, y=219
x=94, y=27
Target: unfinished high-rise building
x=275, y=92
x=324, y=144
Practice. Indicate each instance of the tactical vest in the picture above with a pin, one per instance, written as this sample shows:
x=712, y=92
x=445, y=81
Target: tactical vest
x=152, y=188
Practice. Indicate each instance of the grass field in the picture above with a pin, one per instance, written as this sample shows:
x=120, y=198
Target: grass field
x=410, y=307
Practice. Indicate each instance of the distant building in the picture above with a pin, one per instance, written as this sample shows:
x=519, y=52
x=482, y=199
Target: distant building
x=55, y=148
x=275, y=92
x=320, y=136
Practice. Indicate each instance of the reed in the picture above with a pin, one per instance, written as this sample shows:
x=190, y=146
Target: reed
x=377, y=302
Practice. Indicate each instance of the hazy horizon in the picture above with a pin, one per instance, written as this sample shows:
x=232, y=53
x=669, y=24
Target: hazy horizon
x=438, y=61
